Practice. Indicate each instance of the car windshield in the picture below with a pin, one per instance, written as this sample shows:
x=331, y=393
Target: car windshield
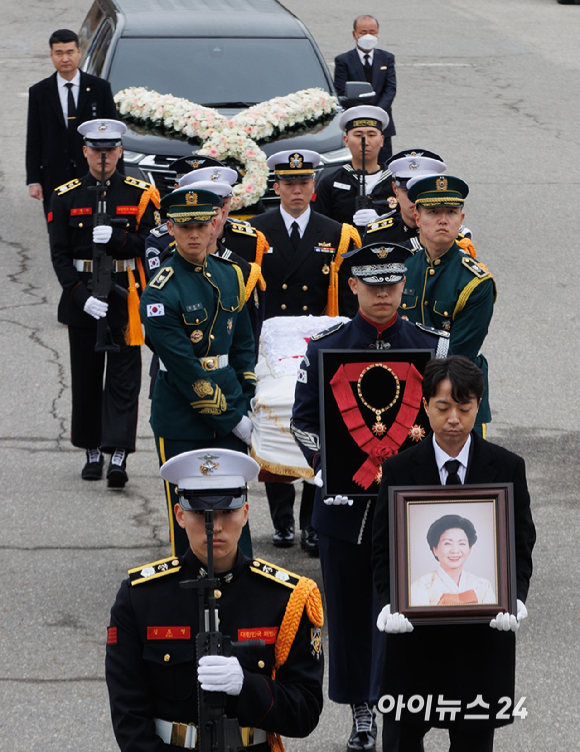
x=234, y=72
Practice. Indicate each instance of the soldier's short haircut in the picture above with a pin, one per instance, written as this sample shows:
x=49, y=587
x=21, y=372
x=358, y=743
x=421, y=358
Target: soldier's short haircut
x=364, y=15
x=465, y=377
x=62, y=36
x=448, y=522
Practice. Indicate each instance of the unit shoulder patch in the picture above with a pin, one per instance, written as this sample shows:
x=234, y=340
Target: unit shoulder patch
x=470, y=263
x=144, y=185
x=161, y=278
x=66, y=187
x=273, y=572
x=159, y=232
x=432, y=330
x=154, y=570
x=380, y=224
x=326, y=332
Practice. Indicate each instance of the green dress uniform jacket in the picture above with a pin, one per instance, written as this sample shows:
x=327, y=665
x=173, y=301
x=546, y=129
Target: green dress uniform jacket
x=193, y=312
x=456, y=294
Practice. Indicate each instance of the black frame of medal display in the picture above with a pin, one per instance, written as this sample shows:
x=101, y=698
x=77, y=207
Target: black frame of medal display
x=383, y=385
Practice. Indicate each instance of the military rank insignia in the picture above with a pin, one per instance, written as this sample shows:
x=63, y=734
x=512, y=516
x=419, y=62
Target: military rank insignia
x=161, y=278
x=154, y=570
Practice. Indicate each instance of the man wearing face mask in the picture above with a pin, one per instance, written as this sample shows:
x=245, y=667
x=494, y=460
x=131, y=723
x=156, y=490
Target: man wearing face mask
x=367, y=63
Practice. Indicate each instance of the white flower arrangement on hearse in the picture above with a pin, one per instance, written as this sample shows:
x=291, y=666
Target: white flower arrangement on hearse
x=235, y=138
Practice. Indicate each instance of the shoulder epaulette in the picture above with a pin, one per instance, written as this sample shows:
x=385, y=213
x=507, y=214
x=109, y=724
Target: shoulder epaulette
x=244, y=228
x=380, y=224
x=161, y=277
x=273, y=572
x=154, y=570
x=138, y=183
x=470, y=263
x=334, y=328
x=160, y=231
x=66, y=187
x=432, y=330
x=225, y=257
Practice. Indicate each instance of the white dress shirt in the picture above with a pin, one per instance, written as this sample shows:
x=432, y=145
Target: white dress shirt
x=442, y=457
x=302, y=220
x=63, y=92
x=362, y=54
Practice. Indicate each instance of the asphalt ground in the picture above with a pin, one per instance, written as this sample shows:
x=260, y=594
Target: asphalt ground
x=493, y=87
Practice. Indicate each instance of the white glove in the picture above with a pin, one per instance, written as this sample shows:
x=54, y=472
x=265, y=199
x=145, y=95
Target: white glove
x=506, y=622
x=244, y=430
x=317, y=480
x=96, y=308
x=364, y=217
x=338, y=500
x=102, y=233
x=216, y=673
x=393, y=623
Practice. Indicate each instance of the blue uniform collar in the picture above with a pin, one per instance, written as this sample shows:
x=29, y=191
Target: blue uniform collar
x=371, y=331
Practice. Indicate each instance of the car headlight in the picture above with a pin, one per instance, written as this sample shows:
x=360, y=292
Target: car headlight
x=132, y=157
x=338, y=155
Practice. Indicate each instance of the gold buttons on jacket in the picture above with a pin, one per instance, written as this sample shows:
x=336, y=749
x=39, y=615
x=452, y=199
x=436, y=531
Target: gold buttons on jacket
x=437, y=262
x=166, y=657
x=80, y=224
x=431, y=271
x=261, y=664
x=208, y=274
x=404, y=305
x=284, y=286
x=217, y=593
x=305, y=287
x=283, y=306
x=426, y=302
x=211, y=336
x=304, y=307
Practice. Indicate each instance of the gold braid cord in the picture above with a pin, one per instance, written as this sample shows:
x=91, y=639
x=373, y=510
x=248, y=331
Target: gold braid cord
x=305, y=595
x=134, y=331
x=347, y=234
x=262, y=246
x=255, y=278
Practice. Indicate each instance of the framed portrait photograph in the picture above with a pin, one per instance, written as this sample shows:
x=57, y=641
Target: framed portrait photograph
x=452, y=552
x=371, y=407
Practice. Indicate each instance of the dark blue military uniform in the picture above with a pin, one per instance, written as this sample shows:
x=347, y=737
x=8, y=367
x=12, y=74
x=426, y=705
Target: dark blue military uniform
x=151, y=660
x=345, y=531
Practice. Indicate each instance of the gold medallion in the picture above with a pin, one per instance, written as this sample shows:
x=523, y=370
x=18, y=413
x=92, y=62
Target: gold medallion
x=379, y=428
x=325, y=269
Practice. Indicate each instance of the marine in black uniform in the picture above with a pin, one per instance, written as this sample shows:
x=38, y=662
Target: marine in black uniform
x=343, y=525
x=304, y=271
x=337, y=191
x=152, y=673
x=103, y=419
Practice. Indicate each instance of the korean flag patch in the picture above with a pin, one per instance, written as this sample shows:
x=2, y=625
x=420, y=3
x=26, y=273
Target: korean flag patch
x=155, y=309
x=302, y=376
x=154, y=262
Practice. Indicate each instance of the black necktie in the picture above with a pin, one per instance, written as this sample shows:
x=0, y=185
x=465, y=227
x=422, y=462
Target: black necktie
x=72, y=110
x=453, y=477
x=368, y=68
x=295, y=235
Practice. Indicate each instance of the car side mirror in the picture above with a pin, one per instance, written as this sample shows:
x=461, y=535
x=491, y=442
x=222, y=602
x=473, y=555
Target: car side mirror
x=356, y=92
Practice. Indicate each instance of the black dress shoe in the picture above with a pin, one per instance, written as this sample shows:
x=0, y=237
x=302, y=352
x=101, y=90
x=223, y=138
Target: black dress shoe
x=117, y=472
x=309, y=541
x=93, y=469
x=284, y=537
x=364, y=729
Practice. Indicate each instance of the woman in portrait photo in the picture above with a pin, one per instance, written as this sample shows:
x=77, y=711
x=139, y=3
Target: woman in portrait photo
x=451, y=539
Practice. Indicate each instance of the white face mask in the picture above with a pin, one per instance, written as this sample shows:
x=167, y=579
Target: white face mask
x=367, y=42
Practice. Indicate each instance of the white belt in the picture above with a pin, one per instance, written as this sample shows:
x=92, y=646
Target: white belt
x=211, y=363
x=120, y=265
x=185, y=734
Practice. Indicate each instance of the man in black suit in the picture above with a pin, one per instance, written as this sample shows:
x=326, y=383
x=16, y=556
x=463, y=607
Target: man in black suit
x=56, y=107
x=304, y=276
x=458, y=662
x=365, y=63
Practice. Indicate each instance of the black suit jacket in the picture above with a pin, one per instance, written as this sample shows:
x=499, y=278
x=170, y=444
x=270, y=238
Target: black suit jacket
x=457, y=661
x=49, y=160
x=348, y=67
x=297, y=280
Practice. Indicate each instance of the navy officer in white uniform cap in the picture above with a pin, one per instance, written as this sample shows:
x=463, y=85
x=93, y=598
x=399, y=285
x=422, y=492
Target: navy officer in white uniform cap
x=152, y=674
x=337, y=191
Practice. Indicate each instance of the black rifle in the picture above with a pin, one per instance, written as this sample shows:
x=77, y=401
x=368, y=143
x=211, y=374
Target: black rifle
x=362, y=201
x=102, y=281
x=215, y=731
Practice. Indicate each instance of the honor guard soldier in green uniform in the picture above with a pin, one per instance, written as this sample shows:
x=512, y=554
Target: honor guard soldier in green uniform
x=360, y=191
x=446, y=288
x=198, y=645
x=104, y=418
x=197, y=322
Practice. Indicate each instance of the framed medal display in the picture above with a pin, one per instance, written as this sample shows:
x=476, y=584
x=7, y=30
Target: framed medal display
x=371, y=408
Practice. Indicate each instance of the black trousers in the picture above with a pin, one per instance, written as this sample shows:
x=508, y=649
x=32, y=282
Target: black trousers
x=386, y=151
x=355, y=645
x=281, y=501
x=407, y=737
x=105, y=392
